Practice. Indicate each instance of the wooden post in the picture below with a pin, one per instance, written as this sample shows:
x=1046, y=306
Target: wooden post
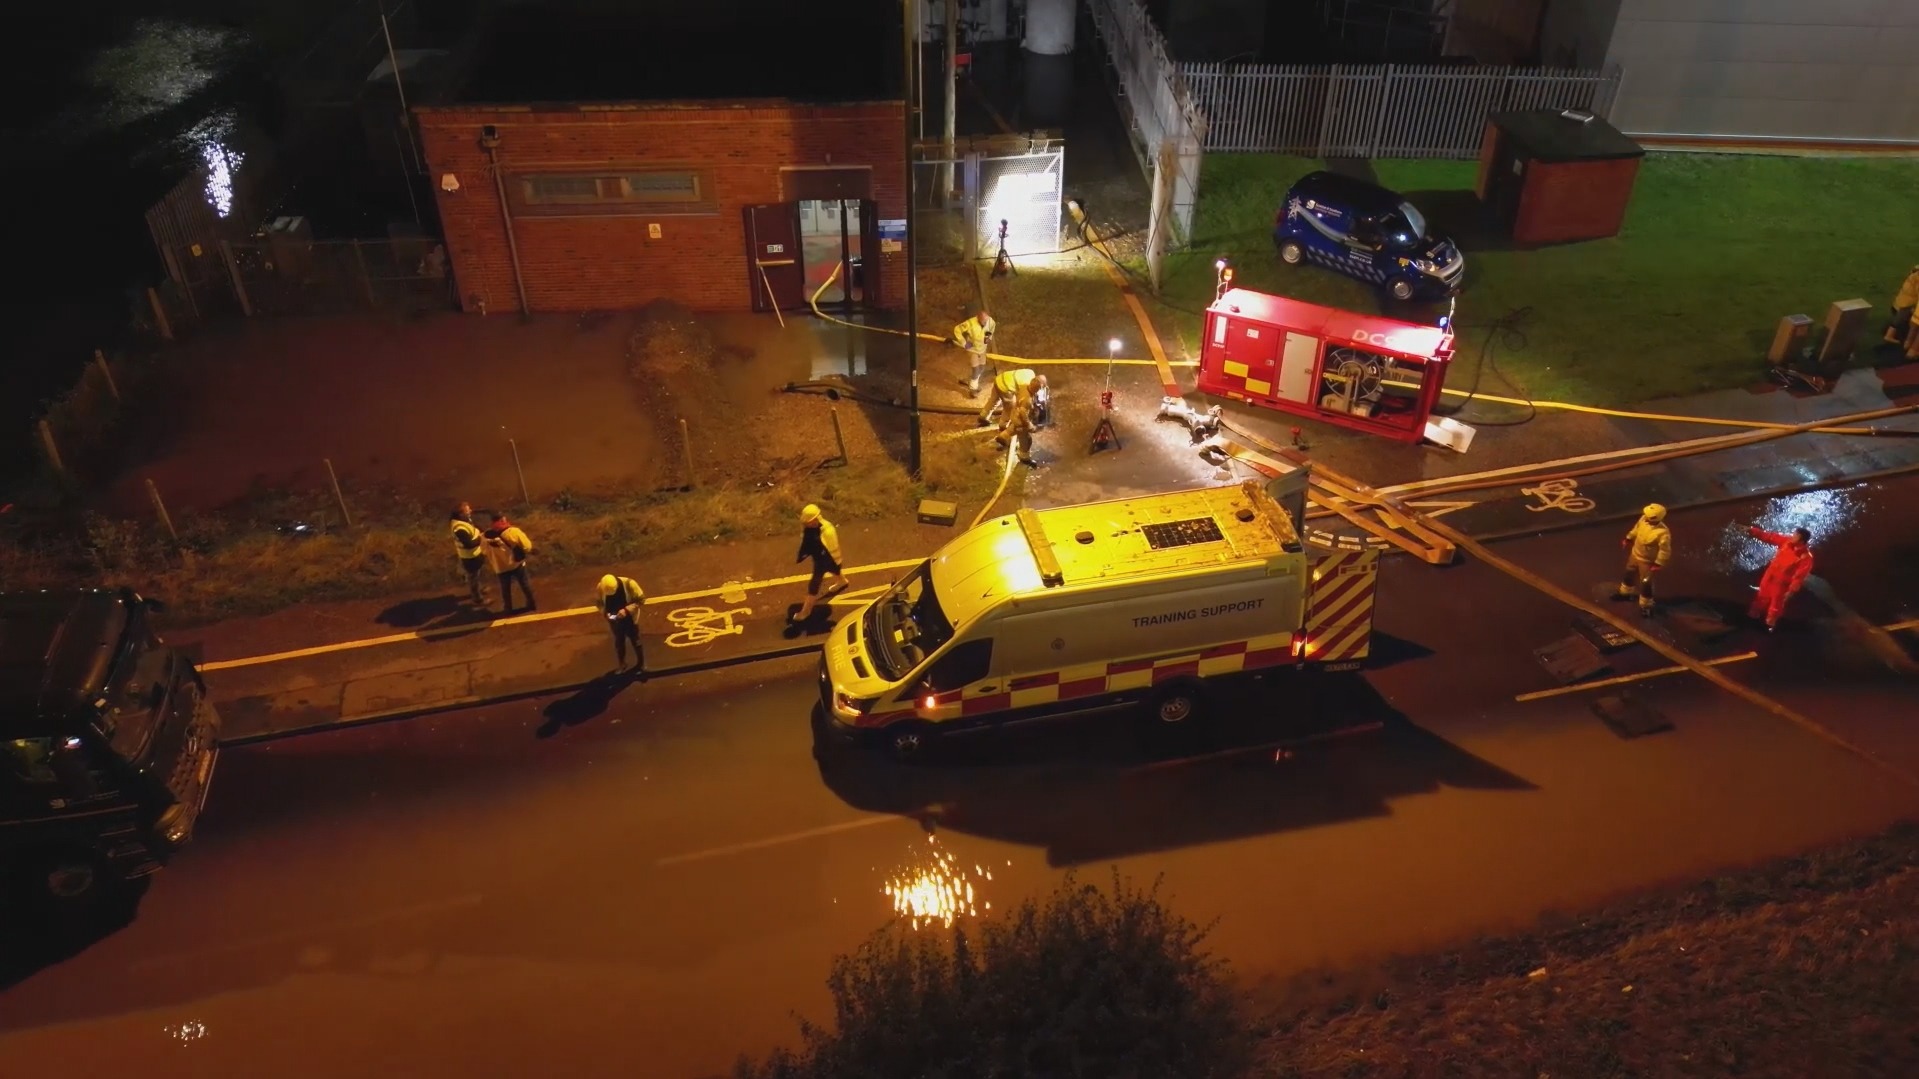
x=952, y=101
x=1159, y=223
x=160, y=320
x=160, y=508
x=233, y=272
x=100, y=361
x=839, y=438
x=520, y=472
x=53, y=452
x=359, y=261
x=969, y=204
x=334, y=479
x=686, y=445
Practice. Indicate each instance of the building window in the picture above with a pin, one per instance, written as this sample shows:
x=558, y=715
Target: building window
x=678, y=190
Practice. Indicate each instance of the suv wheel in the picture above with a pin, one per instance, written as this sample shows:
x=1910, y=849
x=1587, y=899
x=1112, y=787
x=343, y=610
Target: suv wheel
x=1290, y=252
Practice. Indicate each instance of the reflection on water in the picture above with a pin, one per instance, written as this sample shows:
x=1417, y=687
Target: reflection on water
x=190, y=1031
x=210, y=137
x=934, y=887
x=159, y=64
x=1825, y=513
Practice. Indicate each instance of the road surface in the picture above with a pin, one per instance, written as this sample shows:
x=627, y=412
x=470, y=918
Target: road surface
x=655, y=883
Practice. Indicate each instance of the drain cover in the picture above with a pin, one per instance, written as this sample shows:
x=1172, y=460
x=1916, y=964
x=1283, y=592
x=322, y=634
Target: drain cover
x=1603, y=633
x=1571, y=660
x=1629, y=717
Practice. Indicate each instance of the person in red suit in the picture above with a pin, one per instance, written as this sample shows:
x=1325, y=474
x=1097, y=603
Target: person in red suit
x=1790, y=567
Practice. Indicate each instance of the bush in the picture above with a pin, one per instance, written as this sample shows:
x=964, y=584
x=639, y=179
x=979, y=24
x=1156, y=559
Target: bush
x=1083, y=982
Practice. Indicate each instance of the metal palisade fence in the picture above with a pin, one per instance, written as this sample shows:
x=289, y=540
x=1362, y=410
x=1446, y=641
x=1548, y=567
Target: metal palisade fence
x=306, y=277
x=1153, y=96
x=1377, y=110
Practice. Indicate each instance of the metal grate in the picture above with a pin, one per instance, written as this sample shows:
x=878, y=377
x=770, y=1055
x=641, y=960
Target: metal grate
x=1182, y=533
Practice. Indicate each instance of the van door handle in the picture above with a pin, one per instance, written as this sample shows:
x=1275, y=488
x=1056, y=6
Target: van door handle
x=989, y=689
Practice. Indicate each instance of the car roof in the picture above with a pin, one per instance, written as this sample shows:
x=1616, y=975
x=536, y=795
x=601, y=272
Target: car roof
x=1338, y=188
x=55, y=651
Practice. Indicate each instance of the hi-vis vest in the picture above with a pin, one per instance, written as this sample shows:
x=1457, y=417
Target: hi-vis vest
x=466, y=539
x=1016, y=383
x=972, y=333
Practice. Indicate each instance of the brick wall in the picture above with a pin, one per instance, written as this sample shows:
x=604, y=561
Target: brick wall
x=608, y=262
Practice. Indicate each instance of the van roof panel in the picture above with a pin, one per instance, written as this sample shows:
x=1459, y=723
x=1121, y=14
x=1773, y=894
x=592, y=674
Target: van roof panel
x=1125, y=539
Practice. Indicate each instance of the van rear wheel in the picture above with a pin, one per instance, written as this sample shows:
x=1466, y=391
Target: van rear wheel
x=1178, y=705
x=1290, y=252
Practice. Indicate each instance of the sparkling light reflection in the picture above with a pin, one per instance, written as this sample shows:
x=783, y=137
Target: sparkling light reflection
x=1825, y=513
x=936, y=888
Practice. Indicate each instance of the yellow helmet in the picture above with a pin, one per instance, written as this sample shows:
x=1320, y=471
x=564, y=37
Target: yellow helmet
x=1653, y=512
x=609, y=584
x=810, y=514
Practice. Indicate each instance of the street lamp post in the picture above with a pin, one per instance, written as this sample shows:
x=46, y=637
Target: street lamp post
x=908, y=81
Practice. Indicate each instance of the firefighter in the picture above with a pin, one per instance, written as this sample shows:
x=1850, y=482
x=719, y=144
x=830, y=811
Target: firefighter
x=507, y=548
x=1905, y=310
x=467, y=542
x=1009, y=386
x=1017, y=428
x=1648, y=546
x=973, y=336
x=621, y=601
x=820, y=541
x=1784, y=576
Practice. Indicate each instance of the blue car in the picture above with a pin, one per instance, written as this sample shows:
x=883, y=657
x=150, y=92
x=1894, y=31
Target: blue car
x=1366, y=232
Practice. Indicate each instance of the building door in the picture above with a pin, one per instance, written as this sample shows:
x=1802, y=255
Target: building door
x=773, y=265
x=832, y=239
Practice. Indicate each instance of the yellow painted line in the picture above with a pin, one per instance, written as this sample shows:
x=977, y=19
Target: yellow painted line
x=526, y=619
x=776, y=841
x=1625, y=679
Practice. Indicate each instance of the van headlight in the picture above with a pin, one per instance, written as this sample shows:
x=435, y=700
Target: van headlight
x=1425, y=266
x=846, y=702
x=175, y=825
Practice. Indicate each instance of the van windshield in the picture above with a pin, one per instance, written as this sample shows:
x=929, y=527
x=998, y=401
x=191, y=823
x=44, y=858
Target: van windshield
x=906, y=625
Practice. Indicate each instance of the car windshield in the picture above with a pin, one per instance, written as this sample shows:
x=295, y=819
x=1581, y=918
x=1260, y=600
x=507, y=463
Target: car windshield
x=906, y=625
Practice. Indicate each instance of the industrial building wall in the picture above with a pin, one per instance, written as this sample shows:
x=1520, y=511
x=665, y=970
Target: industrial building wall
x=1839, y=70
x=611, y=261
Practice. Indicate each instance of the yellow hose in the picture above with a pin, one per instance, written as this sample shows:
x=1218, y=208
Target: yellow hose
x=1001, y=489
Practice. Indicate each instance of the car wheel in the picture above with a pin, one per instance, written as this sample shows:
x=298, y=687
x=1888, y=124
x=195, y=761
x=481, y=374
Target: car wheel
x=1178, y=705
x=910, y=740
x=1290, y=252
x=1401, y=289
x=72, y=882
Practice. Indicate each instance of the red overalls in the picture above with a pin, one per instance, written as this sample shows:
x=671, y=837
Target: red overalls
x=1789, y=569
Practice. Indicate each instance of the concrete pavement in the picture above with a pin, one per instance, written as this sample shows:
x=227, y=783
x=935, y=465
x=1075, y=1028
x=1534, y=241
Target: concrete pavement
x=653, y=880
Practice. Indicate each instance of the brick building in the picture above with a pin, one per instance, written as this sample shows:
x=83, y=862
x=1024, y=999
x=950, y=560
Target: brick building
x=595, y=162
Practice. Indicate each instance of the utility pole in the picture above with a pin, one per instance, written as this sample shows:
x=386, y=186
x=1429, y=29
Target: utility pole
x=952, y=99
x=910, y=80
x=406, y=119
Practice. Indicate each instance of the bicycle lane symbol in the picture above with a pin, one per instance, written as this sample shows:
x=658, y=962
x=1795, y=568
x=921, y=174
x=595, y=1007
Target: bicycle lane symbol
x=702, y=625
x=1559, y=495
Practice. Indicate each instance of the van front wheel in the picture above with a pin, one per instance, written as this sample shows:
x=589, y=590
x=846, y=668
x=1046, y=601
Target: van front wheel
x=1290, y=252
x=909, y=740
x=1178, y=705
x=1402, y=289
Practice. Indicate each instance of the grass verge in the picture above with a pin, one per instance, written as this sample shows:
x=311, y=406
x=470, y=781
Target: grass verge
x=1715, y=250
x=244, y=561
x=1807, y=966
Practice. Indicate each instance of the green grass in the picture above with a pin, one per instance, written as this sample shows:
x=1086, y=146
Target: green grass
x=1715, y=250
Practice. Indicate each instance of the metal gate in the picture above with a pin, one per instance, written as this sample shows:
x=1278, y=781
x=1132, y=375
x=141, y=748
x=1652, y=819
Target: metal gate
x=1025, y=192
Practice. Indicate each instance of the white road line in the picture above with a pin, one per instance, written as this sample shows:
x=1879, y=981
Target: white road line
x=775, y=841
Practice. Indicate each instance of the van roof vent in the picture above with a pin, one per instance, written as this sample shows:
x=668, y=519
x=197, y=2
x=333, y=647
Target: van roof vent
x=1182, y=533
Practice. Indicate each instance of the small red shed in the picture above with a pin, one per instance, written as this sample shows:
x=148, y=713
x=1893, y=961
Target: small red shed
x=1553, y=177
x=1364, y=372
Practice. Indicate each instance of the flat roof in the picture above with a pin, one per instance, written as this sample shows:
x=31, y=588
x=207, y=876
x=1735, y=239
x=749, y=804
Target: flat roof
x=846, y=52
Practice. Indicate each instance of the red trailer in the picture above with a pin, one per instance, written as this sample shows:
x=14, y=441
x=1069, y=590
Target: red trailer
x=1372, y=374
